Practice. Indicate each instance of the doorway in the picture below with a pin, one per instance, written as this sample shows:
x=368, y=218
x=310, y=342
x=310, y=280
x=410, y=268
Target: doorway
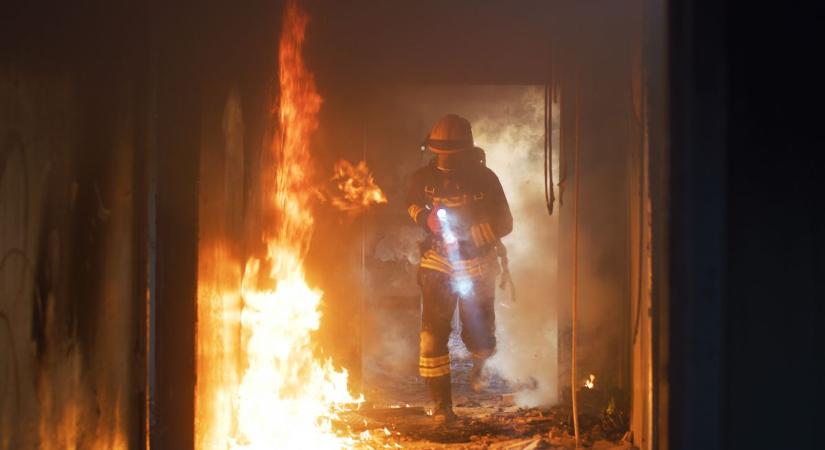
x=509, y=123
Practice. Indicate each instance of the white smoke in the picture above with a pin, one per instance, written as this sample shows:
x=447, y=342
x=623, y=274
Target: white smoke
x=513, y=138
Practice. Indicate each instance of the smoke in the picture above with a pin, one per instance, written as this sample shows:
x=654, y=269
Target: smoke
x=513, y=137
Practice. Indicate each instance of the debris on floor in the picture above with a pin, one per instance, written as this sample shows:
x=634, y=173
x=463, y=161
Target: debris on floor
x=487, y=420
x=396, y=413
x=485, y=425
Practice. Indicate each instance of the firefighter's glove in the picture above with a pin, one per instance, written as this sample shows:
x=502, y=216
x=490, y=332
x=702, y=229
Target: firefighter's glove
x=482, y=234
x=434, y=223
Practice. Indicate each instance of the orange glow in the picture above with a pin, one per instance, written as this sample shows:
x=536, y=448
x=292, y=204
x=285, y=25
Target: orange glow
x=590, y=382
x=69, y=417
x=267, y=390
x=218, y=346
x=59, y=426
x=356, y=188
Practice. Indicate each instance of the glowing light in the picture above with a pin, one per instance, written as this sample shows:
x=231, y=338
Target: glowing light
x=590, y=382
x=447, y=229
x=462, y=286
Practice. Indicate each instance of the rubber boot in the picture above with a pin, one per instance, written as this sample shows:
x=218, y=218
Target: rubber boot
x=442, y=396
x=477, y=383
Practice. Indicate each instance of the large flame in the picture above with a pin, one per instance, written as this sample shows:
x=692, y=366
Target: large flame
x=284, y=397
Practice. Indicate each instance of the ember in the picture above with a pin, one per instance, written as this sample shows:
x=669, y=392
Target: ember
x=590, y=382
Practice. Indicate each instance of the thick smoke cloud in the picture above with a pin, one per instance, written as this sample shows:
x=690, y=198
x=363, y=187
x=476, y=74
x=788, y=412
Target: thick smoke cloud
x=513, y=137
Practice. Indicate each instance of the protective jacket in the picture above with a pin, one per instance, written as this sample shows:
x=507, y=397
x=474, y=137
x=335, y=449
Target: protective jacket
x=476, y=211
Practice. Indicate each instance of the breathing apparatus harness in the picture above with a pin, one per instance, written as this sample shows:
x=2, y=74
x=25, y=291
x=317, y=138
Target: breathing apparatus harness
x=448, y=237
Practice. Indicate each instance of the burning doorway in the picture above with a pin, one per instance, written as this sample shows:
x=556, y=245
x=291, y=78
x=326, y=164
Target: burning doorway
x=589, y=132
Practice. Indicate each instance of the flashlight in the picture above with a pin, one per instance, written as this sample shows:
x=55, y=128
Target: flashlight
x=463, y=286
x=447, y=232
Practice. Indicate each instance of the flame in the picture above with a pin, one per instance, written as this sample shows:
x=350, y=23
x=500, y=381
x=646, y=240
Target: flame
x=218, y=345
x=283, y=396
x=356, y=188
x=266, y=390
x=590, y=382
x=286, y=397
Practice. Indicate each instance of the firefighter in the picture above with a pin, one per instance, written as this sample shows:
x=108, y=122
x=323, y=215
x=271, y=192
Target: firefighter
x=461, y=206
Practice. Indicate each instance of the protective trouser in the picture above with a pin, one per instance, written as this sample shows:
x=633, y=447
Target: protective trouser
x=475, y=309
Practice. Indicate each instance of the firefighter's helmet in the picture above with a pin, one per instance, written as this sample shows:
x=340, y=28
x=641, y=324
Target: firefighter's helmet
x=451, y=134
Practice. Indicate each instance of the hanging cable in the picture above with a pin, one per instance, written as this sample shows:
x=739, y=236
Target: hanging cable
x=574, y=296
x=546, y=140
x=548, y=147
x=562, y=183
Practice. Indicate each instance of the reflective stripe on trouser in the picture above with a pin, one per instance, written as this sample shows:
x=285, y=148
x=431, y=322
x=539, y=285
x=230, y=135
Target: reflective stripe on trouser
x=476, y=312
x=431, y=367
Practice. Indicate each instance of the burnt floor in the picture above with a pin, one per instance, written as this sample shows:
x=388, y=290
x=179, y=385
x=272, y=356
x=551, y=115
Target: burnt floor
x=395, y=414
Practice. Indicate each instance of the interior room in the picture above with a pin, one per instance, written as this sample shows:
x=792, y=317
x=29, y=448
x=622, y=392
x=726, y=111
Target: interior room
x=214, y=233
